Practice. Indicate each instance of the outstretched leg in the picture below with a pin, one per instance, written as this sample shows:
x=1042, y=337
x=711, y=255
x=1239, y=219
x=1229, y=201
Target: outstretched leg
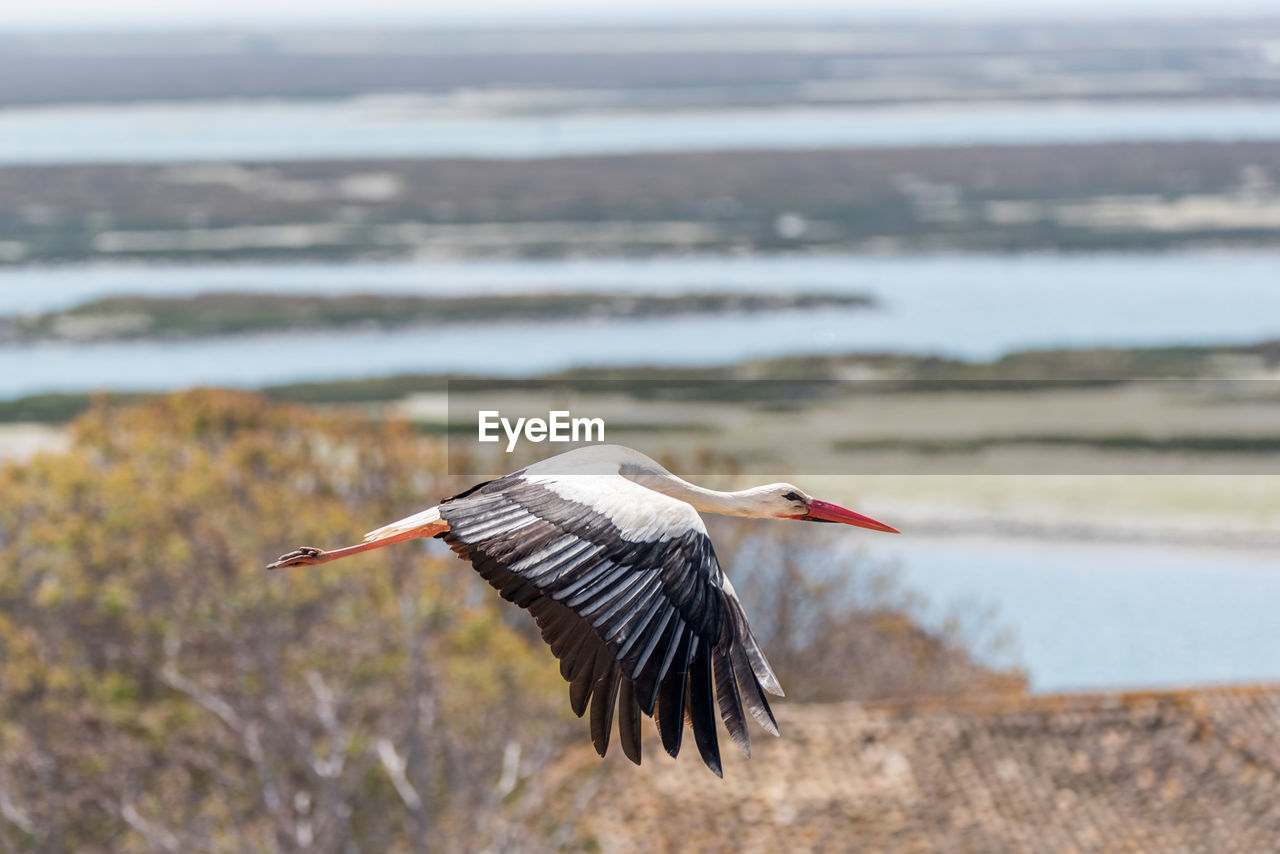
x=309, y=555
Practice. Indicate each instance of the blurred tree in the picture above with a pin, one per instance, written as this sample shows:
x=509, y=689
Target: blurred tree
x=160, y=691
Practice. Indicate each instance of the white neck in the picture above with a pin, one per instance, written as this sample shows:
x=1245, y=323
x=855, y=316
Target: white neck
x=745, y=502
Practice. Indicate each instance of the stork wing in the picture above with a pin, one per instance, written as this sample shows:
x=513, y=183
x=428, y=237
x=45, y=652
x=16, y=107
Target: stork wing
x=625, y=587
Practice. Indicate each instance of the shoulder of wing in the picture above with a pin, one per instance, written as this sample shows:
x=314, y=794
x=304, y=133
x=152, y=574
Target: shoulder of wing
x=638, y=513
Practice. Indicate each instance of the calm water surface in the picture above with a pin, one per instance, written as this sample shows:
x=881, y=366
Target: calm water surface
x=1108, y=615
x=390, y=127
x=969, y=306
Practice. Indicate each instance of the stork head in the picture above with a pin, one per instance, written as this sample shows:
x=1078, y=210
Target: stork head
x=785, y=501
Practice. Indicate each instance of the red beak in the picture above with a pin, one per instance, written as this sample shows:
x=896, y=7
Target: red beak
x=824, y=511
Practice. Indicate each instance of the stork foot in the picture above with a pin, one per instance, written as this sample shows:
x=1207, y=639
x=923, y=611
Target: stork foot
x=305, y=556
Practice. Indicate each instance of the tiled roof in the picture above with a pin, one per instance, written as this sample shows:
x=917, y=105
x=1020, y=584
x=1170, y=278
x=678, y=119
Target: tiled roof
x=1176, y=771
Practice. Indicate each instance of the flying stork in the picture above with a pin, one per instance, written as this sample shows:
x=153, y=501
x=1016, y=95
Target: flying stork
x=605, y=548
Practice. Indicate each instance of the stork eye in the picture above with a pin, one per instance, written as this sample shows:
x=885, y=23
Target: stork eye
x=793, y=496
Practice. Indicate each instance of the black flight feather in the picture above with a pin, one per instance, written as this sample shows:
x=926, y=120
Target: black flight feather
x=752, y=695
x=671, y=695
x=604, y=696
x=629, y=721
x=584, y=677
x=701, y=708
x=729, y=701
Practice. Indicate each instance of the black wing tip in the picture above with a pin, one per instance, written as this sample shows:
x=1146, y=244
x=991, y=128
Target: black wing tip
x=579, y=699
x=604, y=701
x=629, y=721
x=671, y=736
x=710, y=752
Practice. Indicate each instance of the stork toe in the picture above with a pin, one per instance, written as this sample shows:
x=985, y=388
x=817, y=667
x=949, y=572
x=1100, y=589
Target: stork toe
x=304, y=556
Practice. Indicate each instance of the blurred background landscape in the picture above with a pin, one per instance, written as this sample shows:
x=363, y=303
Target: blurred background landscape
x=1004, y=280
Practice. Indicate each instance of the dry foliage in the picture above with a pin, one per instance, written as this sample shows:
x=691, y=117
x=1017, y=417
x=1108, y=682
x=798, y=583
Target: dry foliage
x=160, y=691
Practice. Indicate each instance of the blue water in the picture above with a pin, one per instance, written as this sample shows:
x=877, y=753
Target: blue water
x=390, y=127
x=1107, y=615
x=976, y=307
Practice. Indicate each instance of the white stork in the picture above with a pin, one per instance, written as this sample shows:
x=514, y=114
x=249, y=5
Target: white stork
x=605, y=548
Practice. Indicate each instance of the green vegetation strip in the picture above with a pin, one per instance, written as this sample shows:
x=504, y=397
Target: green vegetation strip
x=49, y=408
x=997, y=199
x=794, y=382
x=225, y=314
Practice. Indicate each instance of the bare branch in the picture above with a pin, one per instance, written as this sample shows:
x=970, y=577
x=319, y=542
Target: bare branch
x=331, y=767
x=171, y=677
x=394, y=764
x=510, y=769
x=249, y=732
x=157, y=837
x=324, y=700
x=15, y=816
